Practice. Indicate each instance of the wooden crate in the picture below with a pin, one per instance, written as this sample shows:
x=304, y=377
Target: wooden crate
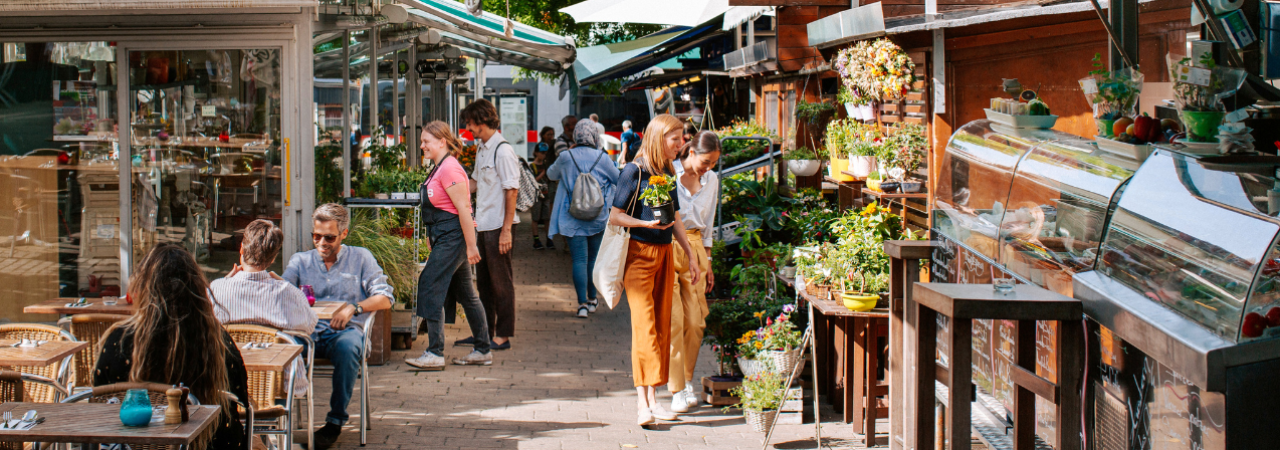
x=715, y=390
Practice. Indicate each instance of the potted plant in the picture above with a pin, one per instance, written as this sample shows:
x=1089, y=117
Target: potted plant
x=864, y=150
x=1199, y=88
x=873, y=180
x=857, y=105
x=782, y=343
x=840, y=134
x=907, y=145
x=1112, y=94
x=658, y=196
x=802, y=161
x=760, y=397
x=871, y=71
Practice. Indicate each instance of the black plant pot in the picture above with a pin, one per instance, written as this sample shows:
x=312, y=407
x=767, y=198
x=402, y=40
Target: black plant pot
x=889, y=187
x=665, y=213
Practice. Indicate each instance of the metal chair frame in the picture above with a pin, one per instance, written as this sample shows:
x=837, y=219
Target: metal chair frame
x=284, y=425
x=364, y=377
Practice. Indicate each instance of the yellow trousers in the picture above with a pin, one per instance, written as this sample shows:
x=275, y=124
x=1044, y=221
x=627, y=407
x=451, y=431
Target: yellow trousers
x=649, y=276
x=688, y=312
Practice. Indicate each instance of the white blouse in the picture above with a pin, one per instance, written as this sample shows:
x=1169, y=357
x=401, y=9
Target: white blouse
x=697, y=211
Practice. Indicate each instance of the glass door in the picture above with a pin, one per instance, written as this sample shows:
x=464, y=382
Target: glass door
x=206, y=149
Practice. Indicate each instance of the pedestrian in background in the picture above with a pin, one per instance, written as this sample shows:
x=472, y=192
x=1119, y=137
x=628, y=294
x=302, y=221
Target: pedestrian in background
x=540, y=212
x=696, y=188
x=599, y=129
x=649, y=274
x=630, y=144
x=584, y=236
x=497, y=177
x=565, y=140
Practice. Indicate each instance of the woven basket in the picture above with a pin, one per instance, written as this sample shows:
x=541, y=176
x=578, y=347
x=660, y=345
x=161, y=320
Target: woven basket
x=760, y=421
x=751, y=367
x=782, y=363
x=818, y=291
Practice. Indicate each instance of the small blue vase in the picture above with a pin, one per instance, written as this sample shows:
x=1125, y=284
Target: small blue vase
x=136, y=409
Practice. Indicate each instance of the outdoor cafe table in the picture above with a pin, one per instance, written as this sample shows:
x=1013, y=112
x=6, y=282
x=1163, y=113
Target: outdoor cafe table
x=96, y=306
x=47, y=353
x=99, y=423
x=326, y=310
x=275, y=358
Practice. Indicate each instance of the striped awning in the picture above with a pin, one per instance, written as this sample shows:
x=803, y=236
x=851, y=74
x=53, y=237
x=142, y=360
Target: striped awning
x=107, y=5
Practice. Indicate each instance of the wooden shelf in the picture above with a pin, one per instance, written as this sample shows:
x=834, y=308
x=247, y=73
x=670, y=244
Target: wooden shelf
x=888, y=196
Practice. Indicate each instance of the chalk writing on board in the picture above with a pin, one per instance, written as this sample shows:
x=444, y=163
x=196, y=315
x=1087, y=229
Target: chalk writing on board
x=943, y=262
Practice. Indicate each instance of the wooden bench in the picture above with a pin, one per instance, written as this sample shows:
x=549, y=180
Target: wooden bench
x=1025, y=304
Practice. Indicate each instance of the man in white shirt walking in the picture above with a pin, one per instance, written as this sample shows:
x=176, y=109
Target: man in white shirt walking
x=497, y=181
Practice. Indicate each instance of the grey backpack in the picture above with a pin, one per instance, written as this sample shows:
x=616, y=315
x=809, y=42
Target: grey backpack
x=587, y=199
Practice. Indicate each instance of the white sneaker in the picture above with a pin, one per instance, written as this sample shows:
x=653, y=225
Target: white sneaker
x=661, y=413
x=475, y=358
x=592, y=305
x=680, y=402
x=644, y=417
x=583, y=311
x=428, y=361
x=692, y=396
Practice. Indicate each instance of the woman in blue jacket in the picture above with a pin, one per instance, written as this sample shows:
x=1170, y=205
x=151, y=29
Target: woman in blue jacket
x=583, y=235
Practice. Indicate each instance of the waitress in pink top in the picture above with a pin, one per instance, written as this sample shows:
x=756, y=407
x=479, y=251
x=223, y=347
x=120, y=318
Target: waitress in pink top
x=446, y=212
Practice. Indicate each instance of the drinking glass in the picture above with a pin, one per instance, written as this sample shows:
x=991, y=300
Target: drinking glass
x=136, y=409
x=310, y=293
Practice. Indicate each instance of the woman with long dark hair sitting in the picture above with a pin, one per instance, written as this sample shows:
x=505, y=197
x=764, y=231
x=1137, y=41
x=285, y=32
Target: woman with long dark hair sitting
x=175, y=338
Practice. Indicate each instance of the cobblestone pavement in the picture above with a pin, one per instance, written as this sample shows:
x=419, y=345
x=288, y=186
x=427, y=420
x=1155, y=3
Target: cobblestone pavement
x=564, y=384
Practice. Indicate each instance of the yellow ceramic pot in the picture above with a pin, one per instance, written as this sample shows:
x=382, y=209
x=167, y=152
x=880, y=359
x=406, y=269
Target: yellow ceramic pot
x=837, y=168
x=859, y=302
x=873, y=184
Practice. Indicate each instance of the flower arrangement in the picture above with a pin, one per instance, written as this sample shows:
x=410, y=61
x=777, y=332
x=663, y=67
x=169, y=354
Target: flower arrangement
x=659, y=190
x=905, y=148
x=468, y=157
x=764, y=392
x=774, y=334
x=875, y=71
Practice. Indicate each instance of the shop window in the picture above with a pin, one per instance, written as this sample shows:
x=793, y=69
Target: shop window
x=60, y=226
x=206, y=149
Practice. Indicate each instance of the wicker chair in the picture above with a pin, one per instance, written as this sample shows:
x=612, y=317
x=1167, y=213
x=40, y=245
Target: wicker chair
x=88, y=328
x=12, y=387
x=56, y=371
x=266, y=387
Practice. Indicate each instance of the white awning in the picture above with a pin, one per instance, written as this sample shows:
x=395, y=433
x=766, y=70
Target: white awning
x=106, y=5
x=687, y=13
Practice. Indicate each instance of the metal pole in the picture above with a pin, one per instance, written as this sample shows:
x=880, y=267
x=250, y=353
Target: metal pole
x=1124, y=22
x=346, y=114
x=375, y=137
x=395, y=97
x=412, y=107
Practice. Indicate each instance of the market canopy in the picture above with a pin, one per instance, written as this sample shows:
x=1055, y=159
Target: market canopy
x=528, y=47
x=661, y=12
x=650, y=55
x=596, y=59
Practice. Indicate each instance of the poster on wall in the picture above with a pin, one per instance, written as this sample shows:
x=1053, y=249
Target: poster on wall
x=514, y=115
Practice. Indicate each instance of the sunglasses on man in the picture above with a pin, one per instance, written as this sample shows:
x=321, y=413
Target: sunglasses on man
x=317, y=237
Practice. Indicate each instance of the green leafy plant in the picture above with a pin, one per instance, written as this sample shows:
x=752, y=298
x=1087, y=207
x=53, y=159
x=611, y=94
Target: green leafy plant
x=1115, y=93
x=729, y=319
x=800, y=154
x=328, y=171
x=764, y=392
x=1190, y=96
x=906, y=147
x=659, y=190
x=759, y=207
x=379, y=234
x=734, y=152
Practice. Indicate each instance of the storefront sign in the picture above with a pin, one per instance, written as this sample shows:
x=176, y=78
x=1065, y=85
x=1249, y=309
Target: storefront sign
x=514, y=115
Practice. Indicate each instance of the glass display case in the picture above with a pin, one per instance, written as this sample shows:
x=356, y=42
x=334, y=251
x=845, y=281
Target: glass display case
x=1033, y=201
x=1195, y=240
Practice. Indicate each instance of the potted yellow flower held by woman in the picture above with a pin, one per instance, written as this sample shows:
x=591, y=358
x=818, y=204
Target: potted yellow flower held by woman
x=658, y=197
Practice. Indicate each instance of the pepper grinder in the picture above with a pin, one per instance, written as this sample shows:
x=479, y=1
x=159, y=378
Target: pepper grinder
x=173, y=415
x=185, y=403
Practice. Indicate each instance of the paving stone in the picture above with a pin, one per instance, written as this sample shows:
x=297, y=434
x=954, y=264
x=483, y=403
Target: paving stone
x=565, y=384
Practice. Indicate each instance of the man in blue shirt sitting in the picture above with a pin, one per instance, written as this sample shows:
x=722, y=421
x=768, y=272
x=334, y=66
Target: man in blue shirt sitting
x=344, y=274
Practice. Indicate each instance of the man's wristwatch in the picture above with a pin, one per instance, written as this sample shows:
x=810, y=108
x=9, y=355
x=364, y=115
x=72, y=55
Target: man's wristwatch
x=359, y=309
